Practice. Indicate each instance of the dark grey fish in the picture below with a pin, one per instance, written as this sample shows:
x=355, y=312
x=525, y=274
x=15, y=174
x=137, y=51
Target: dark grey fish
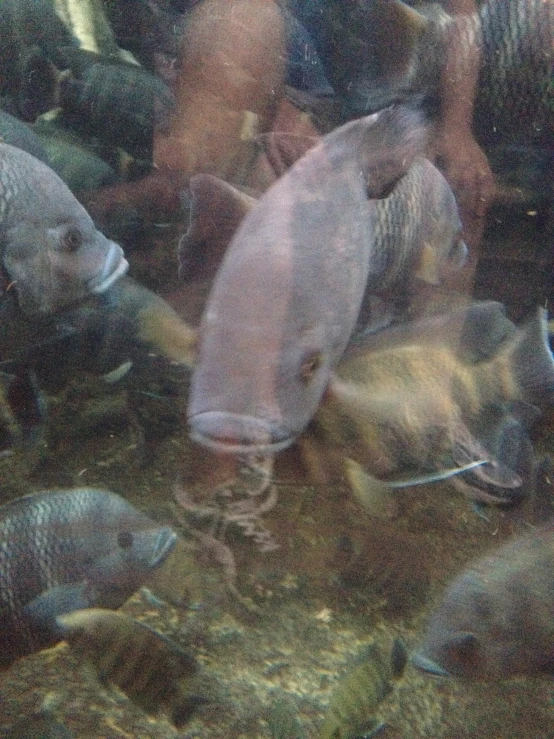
x=117, y=102
x=515, y=95
x=74, y=159
x=62, y=551
x=495, y=619
x=365, y=68
x=121, y=326
x=50, y=249
x=147, y=666
x=287, y=296
x=26, y=25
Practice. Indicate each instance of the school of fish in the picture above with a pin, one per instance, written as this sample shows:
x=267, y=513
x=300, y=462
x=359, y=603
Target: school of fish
x=312, y=333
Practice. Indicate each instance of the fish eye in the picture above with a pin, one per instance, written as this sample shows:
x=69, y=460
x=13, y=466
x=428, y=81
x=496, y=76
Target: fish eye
x=72, y=240
x=310, y=366
x=125, y=539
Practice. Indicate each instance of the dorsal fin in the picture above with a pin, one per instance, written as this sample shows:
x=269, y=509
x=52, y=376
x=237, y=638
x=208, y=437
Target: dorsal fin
x=216, y=209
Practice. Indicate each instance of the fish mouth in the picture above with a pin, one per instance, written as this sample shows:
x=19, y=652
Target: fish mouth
x=115, y=266
x=167, y=538
x=428, y=665
x=233, y=433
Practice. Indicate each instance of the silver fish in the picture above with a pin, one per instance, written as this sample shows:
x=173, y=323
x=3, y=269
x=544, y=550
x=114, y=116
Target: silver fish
x=49, y=247
x=65, y=550
x=287, y=296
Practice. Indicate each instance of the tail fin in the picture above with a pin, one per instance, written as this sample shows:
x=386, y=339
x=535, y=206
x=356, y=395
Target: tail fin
x=186, y=708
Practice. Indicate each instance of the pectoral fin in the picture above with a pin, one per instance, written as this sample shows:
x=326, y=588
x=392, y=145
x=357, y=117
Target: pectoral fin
x=375, y=496
x=45, y=608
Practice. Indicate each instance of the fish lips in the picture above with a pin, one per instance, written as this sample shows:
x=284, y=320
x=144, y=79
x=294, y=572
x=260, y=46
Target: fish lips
x=44, y=284
x=115, y=266
x=425, y=664
x=234, y=433
x=167, y=538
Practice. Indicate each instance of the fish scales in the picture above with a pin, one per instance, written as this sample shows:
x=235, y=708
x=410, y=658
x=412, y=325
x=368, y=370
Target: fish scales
x=61, y=550
x=420, y=214
x=516, y=72
x=302, y=255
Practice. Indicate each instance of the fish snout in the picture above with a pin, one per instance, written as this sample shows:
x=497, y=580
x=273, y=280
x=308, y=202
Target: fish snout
x=425, y=664
x=238, y=434
x=114, y=266
x=165, y=542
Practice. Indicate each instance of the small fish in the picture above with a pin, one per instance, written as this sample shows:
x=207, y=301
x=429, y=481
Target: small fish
x=62, y=551
x=303, y=255
x=147, y=666
x=73, y=159
x=440, y=398
x=495, y=619
x=49, y=247
x=86, y=91
x=358, y=695
x=123, y=323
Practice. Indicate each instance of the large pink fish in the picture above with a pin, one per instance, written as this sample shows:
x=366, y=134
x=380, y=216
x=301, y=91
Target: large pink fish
x=289, y=290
